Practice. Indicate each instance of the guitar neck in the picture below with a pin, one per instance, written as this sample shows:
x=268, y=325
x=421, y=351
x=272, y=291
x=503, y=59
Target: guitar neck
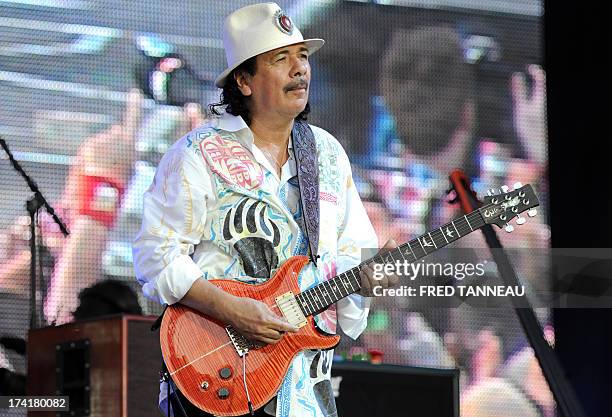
x=321, y=296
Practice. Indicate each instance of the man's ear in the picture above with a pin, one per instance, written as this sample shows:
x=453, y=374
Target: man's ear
x=243, y=80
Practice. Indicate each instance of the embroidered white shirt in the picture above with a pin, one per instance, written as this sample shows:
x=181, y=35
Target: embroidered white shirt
x=217, y=209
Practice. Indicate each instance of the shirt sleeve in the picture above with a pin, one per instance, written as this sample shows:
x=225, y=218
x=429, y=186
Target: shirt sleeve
x=356, y=234
x=174, y=212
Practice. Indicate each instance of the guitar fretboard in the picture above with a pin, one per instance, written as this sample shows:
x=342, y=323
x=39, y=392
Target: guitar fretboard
x=318, y=298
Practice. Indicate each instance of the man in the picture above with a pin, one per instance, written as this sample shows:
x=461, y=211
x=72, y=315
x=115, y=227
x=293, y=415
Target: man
x=225, y=203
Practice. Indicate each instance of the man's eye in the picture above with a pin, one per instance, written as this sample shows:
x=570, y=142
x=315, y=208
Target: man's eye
x=282, y=58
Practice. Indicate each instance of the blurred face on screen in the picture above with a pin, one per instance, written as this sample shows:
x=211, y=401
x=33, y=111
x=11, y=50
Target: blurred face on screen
x=281, y=82
x=426, y=85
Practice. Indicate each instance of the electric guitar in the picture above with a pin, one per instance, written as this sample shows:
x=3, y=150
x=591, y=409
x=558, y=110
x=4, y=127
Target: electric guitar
x=223, y=373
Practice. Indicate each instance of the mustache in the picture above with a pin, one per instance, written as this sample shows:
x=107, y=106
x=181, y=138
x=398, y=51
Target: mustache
x=294, y=85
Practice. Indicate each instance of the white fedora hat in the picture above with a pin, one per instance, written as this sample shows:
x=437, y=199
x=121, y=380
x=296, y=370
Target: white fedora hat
x=255, y=29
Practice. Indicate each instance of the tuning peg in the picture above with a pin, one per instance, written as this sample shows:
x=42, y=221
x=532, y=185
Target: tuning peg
x=505, y=188
x=491, y=191
x=532, y=212
x=509, y=228
x=520, y=220
x=518, y=185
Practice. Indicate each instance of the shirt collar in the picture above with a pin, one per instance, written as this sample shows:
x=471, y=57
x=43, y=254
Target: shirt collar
x=231, y=123
x=235, y=124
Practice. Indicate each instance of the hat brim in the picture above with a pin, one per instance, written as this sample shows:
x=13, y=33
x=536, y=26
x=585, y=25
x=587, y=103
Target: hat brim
x=312, y=45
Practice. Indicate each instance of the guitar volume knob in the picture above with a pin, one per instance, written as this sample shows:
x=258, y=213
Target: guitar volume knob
x=225, y=373
x=223, y=393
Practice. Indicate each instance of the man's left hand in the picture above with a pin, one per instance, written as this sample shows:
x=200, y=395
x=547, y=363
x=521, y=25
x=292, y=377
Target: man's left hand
x=371, y=279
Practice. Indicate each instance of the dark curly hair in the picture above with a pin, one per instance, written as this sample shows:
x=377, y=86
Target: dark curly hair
x=107, y=297
x=235, y=102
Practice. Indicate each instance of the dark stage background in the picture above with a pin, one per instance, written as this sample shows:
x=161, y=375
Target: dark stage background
x=578, y=44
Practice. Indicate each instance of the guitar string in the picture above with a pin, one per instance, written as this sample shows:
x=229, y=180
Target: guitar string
x=200, y=357
x=246, y=389
x=474, y=216
x=463, y=230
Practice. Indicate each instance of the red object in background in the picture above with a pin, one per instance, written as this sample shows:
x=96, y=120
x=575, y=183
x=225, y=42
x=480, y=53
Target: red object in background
x=463, y=188
x=376, y=356
x=99, y=198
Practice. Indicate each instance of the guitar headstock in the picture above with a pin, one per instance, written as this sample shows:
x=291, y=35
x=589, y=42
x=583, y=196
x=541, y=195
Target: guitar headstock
x=500, y=209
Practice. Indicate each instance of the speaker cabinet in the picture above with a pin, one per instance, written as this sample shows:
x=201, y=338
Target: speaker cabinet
x=365, y=390
x=108, y=366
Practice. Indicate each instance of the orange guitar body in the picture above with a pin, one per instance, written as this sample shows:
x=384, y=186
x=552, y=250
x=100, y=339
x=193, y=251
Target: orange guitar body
x=198, y=351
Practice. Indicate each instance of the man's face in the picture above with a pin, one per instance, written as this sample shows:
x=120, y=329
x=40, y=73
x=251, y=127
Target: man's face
x=281, y=82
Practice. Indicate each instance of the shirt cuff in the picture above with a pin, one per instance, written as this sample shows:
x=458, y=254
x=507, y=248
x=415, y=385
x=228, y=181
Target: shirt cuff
x=353, y=314
x=176, y=279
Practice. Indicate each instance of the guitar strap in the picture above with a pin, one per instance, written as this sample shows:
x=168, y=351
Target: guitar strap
x=305, y=149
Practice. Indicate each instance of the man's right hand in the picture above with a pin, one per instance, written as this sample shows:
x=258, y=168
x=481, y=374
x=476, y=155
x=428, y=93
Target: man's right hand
x=255, y=321
x=252, y=318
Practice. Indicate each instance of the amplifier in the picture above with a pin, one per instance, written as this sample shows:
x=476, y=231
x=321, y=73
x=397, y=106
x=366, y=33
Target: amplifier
x=363, y=389
x=108, y=366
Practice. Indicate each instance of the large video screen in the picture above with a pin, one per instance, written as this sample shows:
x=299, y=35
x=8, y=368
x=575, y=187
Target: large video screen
x=98, y=90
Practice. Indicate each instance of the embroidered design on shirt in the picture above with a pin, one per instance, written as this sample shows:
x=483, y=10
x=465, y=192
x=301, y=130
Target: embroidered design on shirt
x=257, y=253
x=323, y=196
x=228, y=159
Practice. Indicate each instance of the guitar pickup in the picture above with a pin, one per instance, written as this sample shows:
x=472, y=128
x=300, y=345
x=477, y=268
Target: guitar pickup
x=290, y=308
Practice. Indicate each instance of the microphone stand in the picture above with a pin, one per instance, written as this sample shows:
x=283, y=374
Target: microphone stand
x=33, y=205
x=562, y=391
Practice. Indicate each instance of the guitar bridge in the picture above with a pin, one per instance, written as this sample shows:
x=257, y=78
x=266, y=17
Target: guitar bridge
x=241, y=343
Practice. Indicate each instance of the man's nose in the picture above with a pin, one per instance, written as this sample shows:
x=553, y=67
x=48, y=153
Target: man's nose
x=300, y=68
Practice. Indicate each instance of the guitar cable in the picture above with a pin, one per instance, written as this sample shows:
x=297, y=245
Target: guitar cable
x=246, y=389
